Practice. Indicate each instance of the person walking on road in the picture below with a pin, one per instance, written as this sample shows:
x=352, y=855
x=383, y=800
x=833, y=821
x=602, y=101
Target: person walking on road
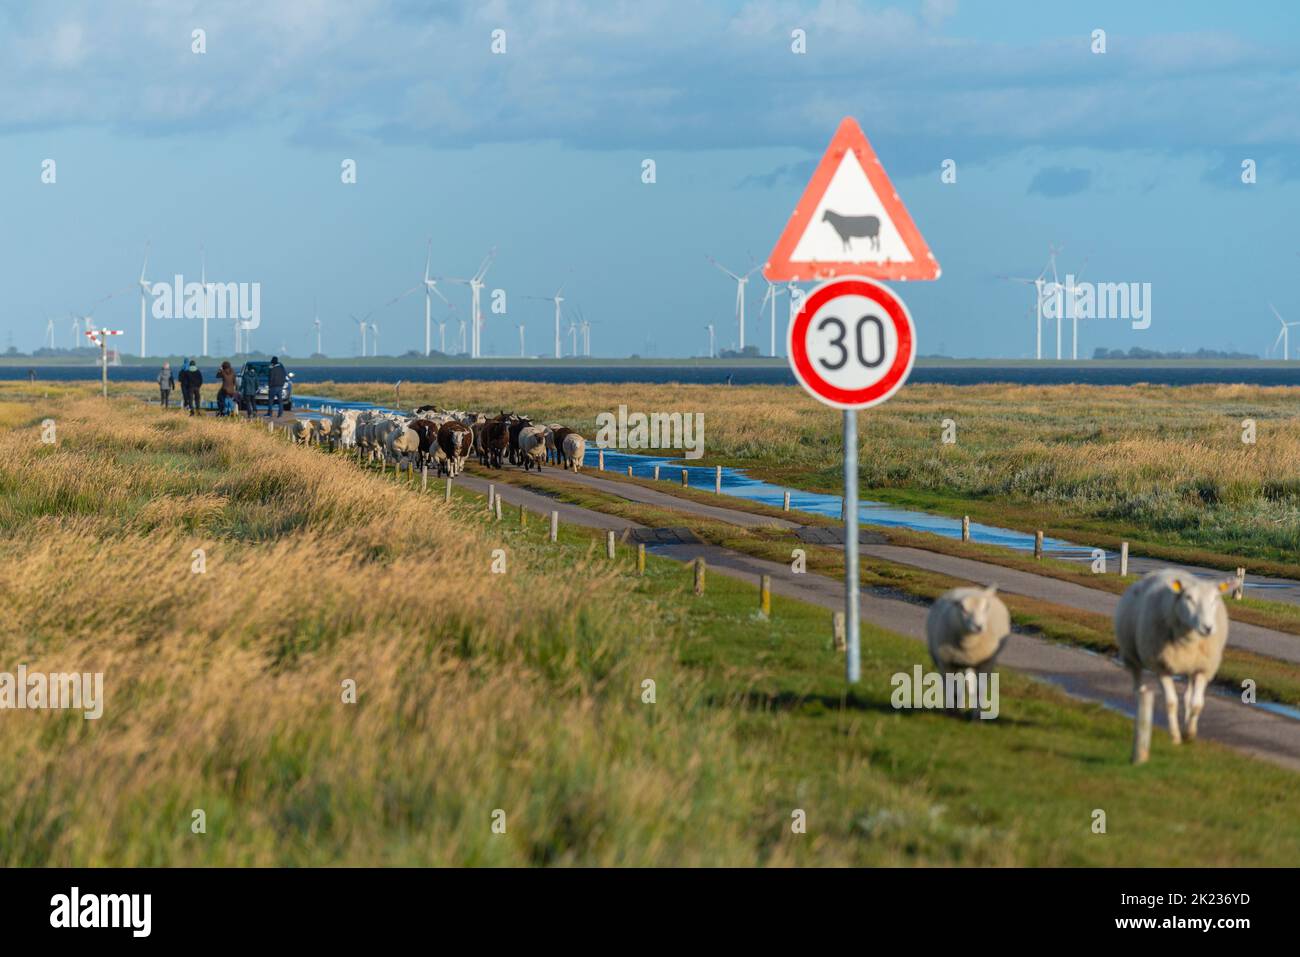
x=183, y=380
x=196, y=388
x=275, y=378
x=166, y=382
x=226, y=394
x=248, y=391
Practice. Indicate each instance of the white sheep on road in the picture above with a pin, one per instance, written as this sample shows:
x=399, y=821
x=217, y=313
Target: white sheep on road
x=966, y=629
x=574, y=448
x=532, y=447
x=1172, y=623
x=302, y=430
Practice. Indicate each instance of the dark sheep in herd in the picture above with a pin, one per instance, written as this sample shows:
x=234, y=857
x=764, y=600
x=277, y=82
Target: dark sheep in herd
x=455, y=441
x=446, y=438
x=496, y=443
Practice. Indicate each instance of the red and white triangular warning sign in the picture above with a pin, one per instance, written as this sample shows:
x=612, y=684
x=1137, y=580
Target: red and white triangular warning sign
x=850, y=222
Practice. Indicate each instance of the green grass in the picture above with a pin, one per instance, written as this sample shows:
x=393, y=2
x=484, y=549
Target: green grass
x=520, y=691
x=905, y=787
x=1276, y=681
x=1021, y=788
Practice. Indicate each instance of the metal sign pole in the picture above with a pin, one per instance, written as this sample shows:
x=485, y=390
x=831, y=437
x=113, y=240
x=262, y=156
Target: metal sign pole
x=853, y=660
x=103, y=361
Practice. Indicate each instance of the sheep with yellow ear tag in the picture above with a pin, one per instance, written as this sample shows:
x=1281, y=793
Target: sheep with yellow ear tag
x=1172, y=623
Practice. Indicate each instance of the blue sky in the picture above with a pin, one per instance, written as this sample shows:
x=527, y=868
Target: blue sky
x=1129, y=160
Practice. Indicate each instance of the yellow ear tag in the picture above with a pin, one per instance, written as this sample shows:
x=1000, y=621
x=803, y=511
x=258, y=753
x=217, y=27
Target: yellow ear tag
x=1175, y=585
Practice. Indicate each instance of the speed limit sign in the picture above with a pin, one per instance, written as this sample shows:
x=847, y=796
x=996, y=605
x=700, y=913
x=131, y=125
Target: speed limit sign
x=853, y=344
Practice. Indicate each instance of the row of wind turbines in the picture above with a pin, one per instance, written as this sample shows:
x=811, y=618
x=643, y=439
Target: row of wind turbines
x=471, y=330
x=82, y=322
x=1046, y=289
x=774, y=291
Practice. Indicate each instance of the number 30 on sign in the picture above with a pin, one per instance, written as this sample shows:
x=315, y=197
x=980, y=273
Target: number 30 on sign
x=852, y=345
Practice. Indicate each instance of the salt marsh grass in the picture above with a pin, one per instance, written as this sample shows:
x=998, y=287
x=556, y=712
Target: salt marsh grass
x=1164, y=466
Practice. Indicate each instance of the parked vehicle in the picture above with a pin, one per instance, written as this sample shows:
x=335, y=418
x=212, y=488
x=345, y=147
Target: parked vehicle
x=259, y=371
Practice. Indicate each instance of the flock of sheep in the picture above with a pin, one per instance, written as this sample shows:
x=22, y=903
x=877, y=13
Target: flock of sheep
x=444, y=438
x=1168, y=622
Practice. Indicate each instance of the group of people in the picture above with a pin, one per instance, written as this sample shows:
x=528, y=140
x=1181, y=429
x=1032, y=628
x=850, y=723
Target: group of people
x=231, y=386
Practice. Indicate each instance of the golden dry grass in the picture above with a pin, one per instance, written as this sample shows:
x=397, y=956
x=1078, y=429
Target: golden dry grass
x=223, y=689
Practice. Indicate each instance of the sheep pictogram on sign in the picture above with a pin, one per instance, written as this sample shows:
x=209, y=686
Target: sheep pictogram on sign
x=854, y=227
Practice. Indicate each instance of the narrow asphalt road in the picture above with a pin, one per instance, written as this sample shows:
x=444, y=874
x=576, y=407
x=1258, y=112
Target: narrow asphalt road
x=1251, y=729
x=1253, y=638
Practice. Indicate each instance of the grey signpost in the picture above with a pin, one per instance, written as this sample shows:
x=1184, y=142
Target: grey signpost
x=853, y=659
x=852, y=344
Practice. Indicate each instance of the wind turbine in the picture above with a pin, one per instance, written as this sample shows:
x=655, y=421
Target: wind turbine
x=431, y=289
x=316, y=323
x=773, y=291
x=557, y=299
x=521, y=340
x=1071, y=305
x=584, y=329
x=740, y=295
x=573, y=338
x=1282, y=336
x=203, y=285
x=475, y=284
x=81, y=323
x=362, y=324
x=49, y=331
x=1042, y=290
x=374, y=339
x=144, y=295
x=711, y=349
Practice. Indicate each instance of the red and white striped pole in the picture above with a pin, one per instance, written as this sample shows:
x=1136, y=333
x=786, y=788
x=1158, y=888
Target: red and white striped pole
x=100, y=338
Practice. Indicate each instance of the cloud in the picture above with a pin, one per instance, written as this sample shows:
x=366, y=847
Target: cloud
x=789, y=174
x=934, y=12
x=620, y=74
x=1056, y=181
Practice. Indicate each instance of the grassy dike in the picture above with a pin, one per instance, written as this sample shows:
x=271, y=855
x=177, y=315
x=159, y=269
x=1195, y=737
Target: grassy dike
x=476, y=692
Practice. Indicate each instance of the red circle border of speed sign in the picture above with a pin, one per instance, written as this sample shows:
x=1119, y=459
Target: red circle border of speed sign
x=898, y=370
